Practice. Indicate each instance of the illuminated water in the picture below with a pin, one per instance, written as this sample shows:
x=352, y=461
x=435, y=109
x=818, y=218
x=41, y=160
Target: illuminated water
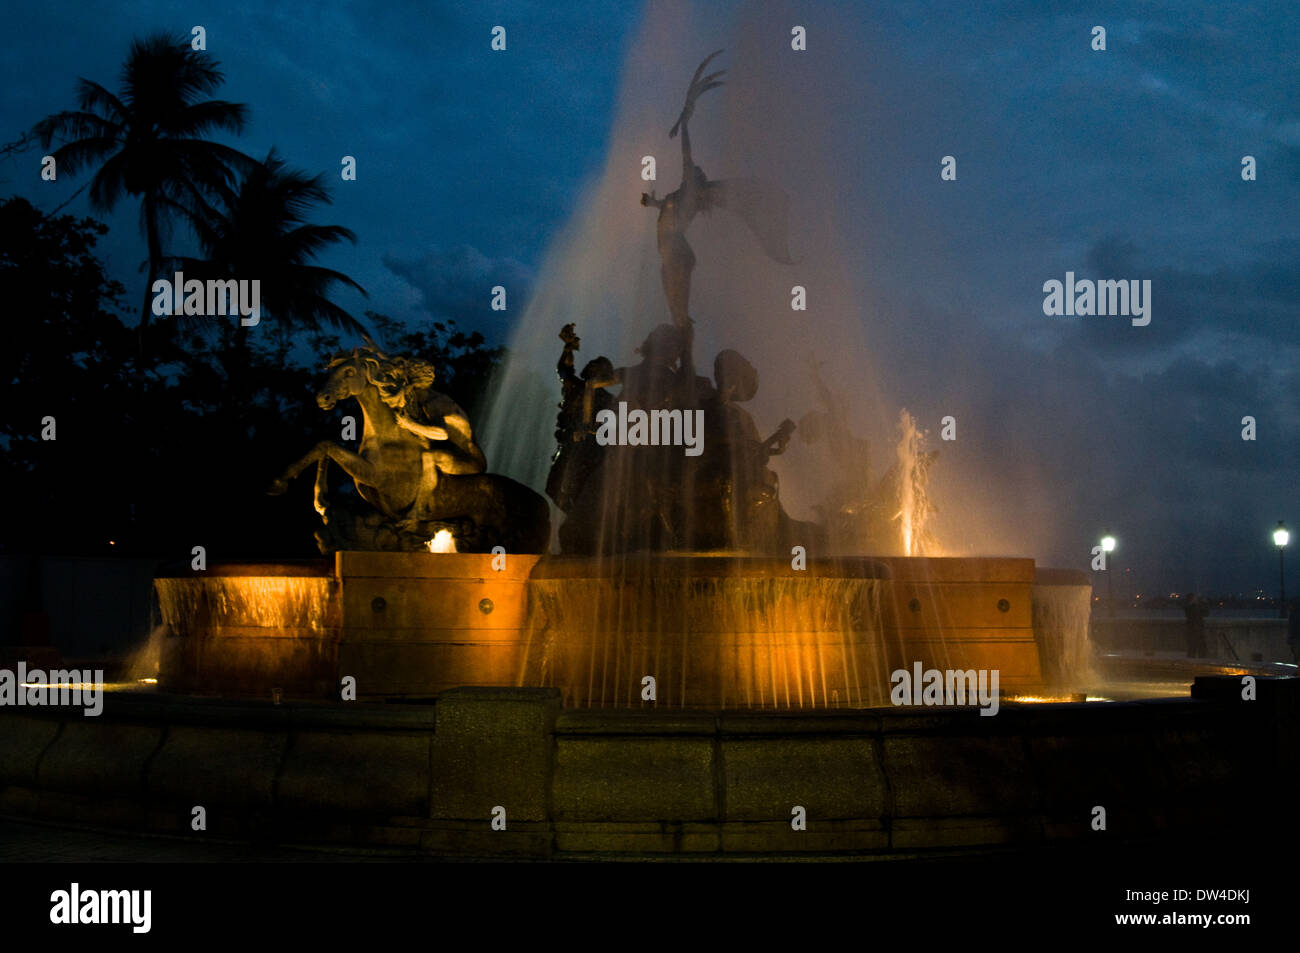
x=1061, y=620
x=708, y=641
x=272, y=603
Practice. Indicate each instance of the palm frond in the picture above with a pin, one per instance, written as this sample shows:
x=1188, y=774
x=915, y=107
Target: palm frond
x=82, y=153
x=212, y=115
x=94, y=98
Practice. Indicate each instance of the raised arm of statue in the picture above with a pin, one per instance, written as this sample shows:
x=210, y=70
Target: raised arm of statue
x=614, y=379
x=594, y=384
x=424, y=430
x=776, y=444
x=700, y=84
x=458, y=425
x=564, y=366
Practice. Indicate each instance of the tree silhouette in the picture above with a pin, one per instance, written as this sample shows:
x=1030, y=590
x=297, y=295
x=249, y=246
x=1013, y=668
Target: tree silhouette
x=462, y=362
x=258, y=229
x=148, y=140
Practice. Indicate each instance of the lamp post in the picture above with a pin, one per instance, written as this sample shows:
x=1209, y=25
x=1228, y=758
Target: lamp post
x=1280, y=538
x=1108, y=547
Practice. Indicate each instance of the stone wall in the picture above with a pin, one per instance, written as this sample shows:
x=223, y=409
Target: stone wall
x=576, y=783
x=1244, y=640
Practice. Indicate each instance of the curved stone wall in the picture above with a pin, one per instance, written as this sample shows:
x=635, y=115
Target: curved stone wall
x=712, y=631
x=604, y=783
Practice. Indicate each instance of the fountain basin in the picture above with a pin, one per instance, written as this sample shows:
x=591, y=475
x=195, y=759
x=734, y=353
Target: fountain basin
x=589, y=784
x=713, y=631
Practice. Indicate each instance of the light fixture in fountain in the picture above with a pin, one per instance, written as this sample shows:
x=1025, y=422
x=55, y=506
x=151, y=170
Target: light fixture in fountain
x=442, y=542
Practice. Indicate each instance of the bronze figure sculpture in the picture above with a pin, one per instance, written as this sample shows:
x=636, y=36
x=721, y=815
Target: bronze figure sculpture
x=763, y=207
x=417, y=466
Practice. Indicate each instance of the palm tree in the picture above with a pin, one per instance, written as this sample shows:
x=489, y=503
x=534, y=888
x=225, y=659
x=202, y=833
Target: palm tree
x=148, y=139
x=258, y=229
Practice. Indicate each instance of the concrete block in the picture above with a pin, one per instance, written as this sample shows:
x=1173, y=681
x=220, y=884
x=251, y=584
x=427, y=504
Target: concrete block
x=619, y=778
x=955, y=774
x=366, y=773
x=492, y=747
x=22, y=739
x=107, y=758
x=217, y=766
x=831, y=778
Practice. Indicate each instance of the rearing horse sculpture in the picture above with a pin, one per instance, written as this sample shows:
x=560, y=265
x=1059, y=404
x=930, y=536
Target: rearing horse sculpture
x=419, y=475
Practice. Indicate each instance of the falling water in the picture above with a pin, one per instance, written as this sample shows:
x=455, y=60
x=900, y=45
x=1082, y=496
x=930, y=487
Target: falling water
x=241, y=632
x=602, y=272
x=1062, y=609
x=913, y=499
x=273, y=603
x=744, y=640
x=144, y=662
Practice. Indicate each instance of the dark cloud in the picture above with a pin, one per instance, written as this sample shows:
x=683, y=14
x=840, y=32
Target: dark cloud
x=457, y=283
x=1257, y=303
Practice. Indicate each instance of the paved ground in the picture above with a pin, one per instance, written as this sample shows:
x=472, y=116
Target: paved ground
x=25, y=842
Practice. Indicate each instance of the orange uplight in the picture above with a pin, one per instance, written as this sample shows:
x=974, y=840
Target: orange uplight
x=442, y=542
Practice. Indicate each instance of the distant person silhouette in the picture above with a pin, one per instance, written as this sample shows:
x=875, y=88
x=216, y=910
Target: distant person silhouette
x=1293, y=628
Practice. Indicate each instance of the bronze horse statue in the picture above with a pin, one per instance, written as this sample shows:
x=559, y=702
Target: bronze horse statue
x=417, y=466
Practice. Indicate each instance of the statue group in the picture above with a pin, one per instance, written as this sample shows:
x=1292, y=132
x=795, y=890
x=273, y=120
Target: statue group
x=672, y=489
x=690, y=473
x=634, y=495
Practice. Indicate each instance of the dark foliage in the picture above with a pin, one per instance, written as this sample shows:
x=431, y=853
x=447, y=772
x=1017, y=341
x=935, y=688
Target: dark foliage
x=162, y=458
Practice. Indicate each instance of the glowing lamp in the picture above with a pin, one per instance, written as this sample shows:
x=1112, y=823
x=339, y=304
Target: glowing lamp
x=1280, y=538
x=442, y=542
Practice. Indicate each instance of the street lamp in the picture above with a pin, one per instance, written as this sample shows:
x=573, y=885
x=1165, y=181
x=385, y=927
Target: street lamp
x=1280, y=538
x=1108, y=547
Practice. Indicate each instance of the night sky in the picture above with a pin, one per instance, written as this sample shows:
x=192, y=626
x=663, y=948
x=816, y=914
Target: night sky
x=1117, y=164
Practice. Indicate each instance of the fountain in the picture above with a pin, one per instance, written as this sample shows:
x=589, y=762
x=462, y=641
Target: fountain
x=682, y=581
x=695, y=632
